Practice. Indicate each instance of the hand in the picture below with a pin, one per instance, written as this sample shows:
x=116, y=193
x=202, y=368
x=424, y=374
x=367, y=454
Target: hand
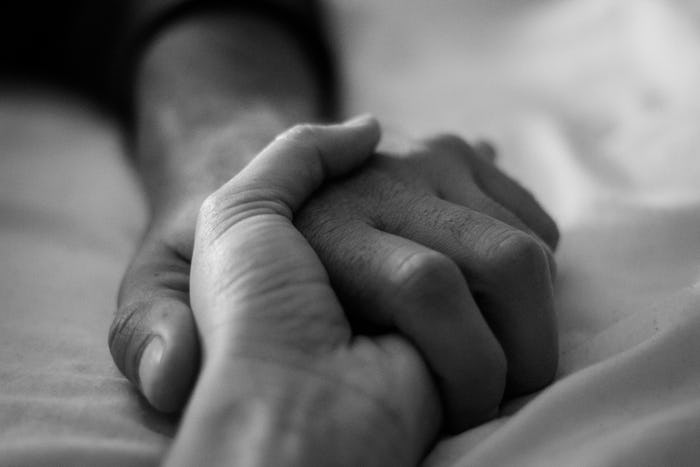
x=508, y=269
x=439, y=245
x=153, y=338
x=284, y=382
x=207, y=99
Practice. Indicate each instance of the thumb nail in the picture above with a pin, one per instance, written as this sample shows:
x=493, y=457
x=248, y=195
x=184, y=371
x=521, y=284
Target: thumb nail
x=150, y=360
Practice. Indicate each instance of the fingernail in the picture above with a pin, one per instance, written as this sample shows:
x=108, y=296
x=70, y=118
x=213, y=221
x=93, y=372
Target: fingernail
x=150, y=360
x=360, y=120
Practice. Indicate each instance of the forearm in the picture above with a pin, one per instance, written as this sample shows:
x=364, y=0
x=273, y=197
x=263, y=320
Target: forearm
x=211, y=91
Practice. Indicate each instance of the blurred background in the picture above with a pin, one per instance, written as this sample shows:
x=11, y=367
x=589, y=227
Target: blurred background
x=68, y=44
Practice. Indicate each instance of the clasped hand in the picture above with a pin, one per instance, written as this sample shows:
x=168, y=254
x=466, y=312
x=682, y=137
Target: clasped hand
x=442, y=257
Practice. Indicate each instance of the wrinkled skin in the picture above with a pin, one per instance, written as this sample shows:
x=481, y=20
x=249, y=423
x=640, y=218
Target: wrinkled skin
x=432, y=242
x=284, y=382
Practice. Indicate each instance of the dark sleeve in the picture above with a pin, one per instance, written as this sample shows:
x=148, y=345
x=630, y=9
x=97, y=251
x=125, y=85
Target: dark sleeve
x=144, y=19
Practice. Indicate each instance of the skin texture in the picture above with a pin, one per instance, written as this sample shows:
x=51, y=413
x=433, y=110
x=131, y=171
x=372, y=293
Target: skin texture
x=284, y=382
x=208, y=99
x=432, y=243
x=437, y=244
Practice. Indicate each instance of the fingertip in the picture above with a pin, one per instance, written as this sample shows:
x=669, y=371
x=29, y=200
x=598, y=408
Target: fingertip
x=165, y=385
x=169, y=364
x=155, y=345
x=486, y=150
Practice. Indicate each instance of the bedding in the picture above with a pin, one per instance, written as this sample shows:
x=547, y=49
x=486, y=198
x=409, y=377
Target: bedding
x=593, y=106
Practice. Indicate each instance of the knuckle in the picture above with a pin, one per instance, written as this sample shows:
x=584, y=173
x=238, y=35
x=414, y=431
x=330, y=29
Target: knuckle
x=516, y=256
x=212, y=205
x=425, y=275
x=225, y=206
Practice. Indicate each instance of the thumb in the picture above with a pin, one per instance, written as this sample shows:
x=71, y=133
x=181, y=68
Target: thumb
x=153, y=338
x=252, y=271
x=298, y=161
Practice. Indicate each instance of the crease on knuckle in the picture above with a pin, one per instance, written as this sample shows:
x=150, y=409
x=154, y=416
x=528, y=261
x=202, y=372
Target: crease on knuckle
x=212, y=206
x=223, y=209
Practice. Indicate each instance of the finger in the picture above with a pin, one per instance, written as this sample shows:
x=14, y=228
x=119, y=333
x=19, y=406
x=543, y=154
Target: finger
x=473, y=198
x=294, y=165
x=486, y=150
x=248, y=219
x=517, y=199
x=461, y=188
x=153, y=339
x=422, y=294
x=498, y=186
x=508, y=273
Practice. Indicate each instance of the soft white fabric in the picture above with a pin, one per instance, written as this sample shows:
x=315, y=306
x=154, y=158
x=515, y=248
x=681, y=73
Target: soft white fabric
x=70, y=216
x=593, y=106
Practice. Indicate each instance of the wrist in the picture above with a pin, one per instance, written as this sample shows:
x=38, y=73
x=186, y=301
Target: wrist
x=247, y=417
x=179, y=170
x=209, y=97
x=261, y=413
